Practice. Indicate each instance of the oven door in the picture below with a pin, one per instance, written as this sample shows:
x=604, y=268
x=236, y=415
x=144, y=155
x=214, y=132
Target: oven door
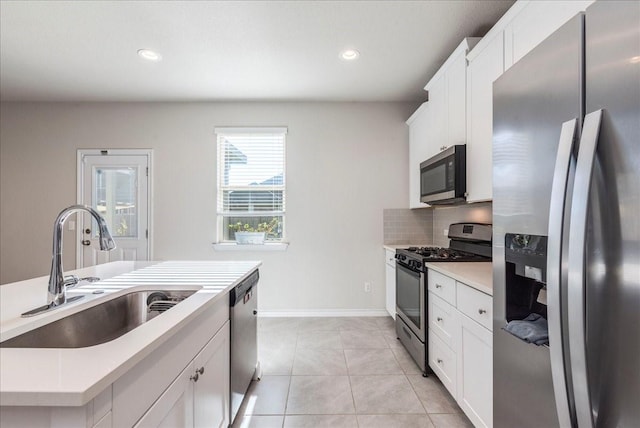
x=410, y=299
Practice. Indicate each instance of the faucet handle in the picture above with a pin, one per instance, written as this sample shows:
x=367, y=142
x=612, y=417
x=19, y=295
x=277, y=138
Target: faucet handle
x=71, y=281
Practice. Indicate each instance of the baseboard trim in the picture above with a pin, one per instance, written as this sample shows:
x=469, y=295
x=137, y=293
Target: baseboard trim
x=325, y=313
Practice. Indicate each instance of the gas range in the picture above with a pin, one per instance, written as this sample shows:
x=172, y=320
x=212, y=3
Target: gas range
x=469, y=242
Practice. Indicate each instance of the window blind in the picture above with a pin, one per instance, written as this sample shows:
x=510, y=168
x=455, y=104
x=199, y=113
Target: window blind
x=251, y=178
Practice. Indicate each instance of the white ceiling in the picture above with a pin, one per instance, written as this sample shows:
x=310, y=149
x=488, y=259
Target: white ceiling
x=231, y=50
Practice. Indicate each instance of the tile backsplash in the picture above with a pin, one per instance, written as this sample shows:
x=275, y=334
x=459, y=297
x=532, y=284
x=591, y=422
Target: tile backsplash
x=405, y=226
x=444, y=216
x=427, y=225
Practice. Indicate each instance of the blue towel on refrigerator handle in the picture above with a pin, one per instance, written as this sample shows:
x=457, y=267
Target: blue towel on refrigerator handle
x=532, y=329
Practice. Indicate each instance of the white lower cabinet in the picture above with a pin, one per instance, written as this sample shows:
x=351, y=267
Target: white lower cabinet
x=211, y=392
x=461, y=345
x=475, y=366
x=390, y=271
x=199, y=397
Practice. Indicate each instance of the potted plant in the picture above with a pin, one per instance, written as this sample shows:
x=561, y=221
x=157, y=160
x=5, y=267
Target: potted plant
x=247, y=234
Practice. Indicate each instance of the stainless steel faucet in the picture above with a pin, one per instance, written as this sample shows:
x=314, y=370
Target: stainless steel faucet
x=57, y=291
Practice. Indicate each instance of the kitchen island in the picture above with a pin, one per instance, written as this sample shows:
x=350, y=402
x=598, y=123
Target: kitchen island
x=120, y=382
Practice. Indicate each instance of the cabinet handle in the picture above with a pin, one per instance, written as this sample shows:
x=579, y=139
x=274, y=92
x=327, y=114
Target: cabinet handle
x=439, y=361
x=439, y=319
x=194, y=377
x=200, y=370
x=482, y=311
x=438, y=286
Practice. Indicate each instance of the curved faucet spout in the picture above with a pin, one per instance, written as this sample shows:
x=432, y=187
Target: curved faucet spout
x=57, y=289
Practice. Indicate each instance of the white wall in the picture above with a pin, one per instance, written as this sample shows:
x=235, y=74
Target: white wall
x=345, y=163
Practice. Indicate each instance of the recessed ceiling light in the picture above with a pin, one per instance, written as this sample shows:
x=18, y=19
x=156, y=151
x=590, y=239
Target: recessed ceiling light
x=149, y=55
x=349, y=54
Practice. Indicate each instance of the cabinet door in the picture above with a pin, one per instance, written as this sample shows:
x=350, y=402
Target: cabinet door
x=537, y=21
x=419, y=128
x=174, y=408
x=482, y=71
x=437, y=133
x=456, y=81
x=390, y=267
x=475, y=372
x=211, y=390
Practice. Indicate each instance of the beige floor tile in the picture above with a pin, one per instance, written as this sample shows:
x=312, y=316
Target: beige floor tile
x=405, y=361
x=394, y=421
x=266, y=397
x=452, y=420
x=356, y=323
x=386, y=323
x=278, y=361
x=274, y=339
x=319, y=340
x=320, y=395
x=434, y=396
x=319, y=324
x=320, y=421
x=362, y=339
x=387, y=394
x=255, y=421
x=392, y=339
x=371, y=362
x=278, y=323
x=319, y=362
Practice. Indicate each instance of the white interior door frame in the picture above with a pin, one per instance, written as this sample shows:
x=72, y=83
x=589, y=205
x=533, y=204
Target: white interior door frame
x=80, y=190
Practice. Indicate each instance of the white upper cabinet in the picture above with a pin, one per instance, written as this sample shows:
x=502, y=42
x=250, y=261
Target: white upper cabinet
x=484, y=67
x=419, y=127
x=448, y=99
x=536, y=21
x=440, y=122
x=520, y=30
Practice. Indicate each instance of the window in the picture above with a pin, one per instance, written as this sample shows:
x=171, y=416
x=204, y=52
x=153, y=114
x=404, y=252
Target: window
x=251, y=181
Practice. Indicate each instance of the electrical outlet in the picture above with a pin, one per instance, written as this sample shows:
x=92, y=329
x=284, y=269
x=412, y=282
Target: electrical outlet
x=446, y=232
x=367, y=287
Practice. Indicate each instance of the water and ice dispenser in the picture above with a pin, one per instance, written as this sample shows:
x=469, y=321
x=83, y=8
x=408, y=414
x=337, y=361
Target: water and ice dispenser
x=526, y=290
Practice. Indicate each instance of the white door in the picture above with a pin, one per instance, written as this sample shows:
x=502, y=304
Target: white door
x=117, y=184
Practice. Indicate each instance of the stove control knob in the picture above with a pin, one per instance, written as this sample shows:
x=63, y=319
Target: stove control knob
x=419, y=265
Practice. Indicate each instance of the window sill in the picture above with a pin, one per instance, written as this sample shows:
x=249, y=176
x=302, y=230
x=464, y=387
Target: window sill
x=269, y=246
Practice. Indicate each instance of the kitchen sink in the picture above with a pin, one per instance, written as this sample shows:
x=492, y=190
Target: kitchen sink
x=101, y=323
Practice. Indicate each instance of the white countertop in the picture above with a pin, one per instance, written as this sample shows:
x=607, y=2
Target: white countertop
x=394, y=247
x=72, y=377
x=478, y=275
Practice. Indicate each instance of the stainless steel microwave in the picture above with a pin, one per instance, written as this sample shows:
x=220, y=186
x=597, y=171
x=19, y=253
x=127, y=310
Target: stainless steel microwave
x=443, y=178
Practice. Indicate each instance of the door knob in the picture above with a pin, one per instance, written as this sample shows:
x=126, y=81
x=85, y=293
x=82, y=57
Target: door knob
x=200, y=370
x=87, y=231
x=194, y=377
x=86, y=242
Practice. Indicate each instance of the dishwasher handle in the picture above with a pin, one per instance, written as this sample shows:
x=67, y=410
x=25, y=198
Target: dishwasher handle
x=239, y=291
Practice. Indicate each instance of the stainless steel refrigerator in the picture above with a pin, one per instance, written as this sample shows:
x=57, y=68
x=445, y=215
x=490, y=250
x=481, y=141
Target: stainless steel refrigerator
x=566, y=209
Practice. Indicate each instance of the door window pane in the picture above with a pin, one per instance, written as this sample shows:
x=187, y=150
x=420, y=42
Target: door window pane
x=115, y=198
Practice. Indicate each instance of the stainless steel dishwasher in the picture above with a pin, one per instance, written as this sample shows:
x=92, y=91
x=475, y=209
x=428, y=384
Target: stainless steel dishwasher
x=244, y=338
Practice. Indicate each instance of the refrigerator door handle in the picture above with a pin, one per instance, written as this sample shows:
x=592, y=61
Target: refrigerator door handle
x=554, y=270
x=577, y=267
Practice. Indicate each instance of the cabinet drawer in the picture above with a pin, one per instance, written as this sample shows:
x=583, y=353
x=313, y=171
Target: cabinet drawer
x=442, y=361
x=442, y=286
x=442, y=320
x=476, y=305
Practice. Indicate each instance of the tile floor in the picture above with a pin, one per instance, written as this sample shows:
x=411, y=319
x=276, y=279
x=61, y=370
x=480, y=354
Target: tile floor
x=342, y=372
